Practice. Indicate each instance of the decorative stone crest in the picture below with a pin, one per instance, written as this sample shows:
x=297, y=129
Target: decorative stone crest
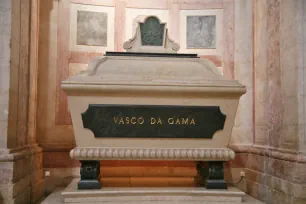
x=152, y=32
x=151, y=36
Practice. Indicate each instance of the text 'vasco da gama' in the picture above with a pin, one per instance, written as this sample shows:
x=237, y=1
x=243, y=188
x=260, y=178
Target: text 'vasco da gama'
x=154, y=120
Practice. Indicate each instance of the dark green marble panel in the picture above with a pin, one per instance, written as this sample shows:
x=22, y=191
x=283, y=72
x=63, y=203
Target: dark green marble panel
x=152, y=32
x=151, y=121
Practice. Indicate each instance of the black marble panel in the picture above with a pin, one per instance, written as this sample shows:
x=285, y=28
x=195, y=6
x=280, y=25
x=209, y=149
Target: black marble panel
x=146, y=54
x=153, y=121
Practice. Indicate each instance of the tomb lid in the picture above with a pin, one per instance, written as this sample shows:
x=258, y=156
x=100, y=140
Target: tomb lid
x=152, y=69
x=151, y=60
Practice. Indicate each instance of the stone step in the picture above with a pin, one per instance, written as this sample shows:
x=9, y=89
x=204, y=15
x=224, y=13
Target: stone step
x=150, y=195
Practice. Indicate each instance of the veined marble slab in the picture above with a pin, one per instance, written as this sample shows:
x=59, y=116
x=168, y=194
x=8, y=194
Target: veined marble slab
x=162, y=195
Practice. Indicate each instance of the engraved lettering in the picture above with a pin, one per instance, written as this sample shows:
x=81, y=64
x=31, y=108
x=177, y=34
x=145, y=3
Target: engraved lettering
x=153, y=121
x=140, y=120
x=192, y=122
x=121, y=121
x=159, y=121
x=116, y=119
x=184, y=121
x=127, y=120
x=133, y=120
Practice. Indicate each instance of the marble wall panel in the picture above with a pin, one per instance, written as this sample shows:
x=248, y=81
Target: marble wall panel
x=201, y=32
x=76, y=68
x=33, y=69
x=48, y=133
x=5, y=32
x=189, y=26
x=92, y=28
x=261, y=135
x=120, y=24
x=290, y=110
x=174, y=22
x=301, y=53
x=260, y=73
x=293, y=73
x=228, y=38
x=275, y=115
x=23, y=74
x=243, y=55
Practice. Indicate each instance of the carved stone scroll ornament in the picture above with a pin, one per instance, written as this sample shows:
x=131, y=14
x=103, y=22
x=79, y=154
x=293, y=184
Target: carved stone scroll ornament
x=151, y=36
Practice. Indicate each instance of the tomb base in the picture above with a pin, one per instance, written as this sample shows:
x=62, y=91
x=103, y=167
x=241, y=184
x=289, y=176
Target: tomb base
x=168, y=195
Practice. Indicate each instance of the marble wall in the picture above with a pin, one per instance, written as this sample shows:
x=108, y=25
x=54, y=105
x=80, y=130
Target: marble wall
x=279, y=75
x=5, y=36
x=276, y=167
x=242, y=133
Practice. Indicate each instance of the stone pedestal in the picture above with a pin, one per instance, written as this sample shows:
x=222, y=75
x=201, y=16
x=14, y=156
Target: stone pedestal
x=151, y=195
x=21, y=175
x=90, y=175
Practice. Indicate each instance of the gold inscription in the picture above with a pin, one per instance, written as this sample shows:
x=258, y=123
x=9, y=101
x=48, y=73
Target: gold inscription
x=128, y=120
x=133, y=120
x=181, y=121
x=192, y=122
x=140, y=120
x=157, y=121
x=121, y=121
x=153, y=121
x=184, y=121
x=170, y=121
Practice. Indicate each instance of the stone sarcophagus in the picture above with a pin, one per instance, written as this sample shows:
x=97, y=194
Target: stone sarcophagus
x=153, y=105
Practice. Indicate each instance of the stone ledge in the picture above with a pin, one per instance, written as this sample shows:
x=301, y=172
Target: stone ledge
x=19, y=153
x=104, y=153
x=286, y=155
x=152, y=195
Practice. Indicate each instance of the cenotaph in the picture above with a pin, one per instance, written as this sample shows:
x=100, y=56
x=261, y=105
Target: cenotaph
x=150, y=103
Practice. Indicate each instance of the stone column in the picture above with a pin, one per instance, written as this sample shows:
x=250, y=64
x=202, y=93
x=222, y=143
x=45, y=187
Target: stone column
x=5, y=34
x=242, y=133
x=21, y=177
